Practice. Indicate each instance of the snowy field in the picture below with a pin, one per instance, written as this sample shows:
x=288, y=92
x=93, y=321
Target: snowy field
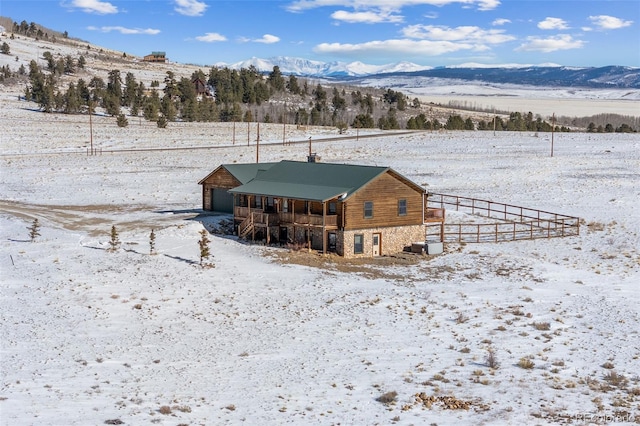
x=91, y=336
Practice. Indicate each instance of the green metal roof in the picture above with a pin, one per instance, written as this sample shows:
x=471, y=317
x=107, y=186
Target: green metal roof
x=245, y=172
x=309, y=181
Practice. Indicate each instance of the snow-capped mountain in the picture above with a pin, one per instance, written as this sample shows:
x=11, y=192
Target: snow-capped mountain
x=548, y=74
x=309, y=68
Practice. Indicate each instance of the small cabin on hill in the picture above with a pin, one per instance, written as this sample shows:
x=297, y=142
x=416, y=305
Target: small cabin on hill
x=352, y=210
x=156, y=57
x=201, y=87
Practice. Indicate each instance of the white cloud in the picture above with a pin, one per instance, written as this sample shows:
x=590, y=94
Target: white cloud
x=94, y=6
x=124, y=30
x=553, y=24
x=266, y=39
x=190, y=7
x=467, y=34
x=605, y=22
x=367, y=17
x=301, y=5
x=401, y=47
x=211, y=38
x=550, y=44
x=500, y=21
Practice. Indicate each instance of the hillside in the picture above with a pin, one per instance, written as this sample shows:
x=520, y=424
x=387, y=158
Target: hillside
x=100, y=61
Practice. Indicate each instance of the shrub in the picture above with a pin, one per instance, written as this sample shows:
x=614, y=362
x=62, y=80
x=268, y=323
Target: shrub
x=492, y=359
x=388, y=397
x=165, y=409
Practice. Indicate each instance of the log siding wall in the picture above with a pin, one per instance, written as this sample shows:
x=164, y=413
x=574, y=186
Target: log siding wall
x=385, y=193
x=220, y=179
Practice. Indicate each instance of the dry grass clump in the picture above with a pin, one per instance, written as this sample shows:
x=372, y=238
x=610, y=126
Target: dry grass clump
x=526, y=363
x=461, y=318
x=165, y=409
x=542, y=326
x=615, y=379
x=608, y=365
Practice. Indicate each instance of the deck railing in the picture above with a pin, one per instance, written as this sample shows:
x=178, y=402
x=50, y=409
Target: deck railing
x=510, y=222
x=282, y=218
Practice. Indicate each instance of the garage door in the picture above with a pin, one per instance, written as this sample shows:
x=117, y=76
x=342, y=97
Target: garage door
x=222, y=201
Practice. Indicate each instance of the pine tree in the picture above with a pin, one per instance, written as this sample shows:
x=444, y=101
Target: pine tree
x=34, y=230
x=122, y=121
x=152, y=242
x=162, y=122
x=115, y=241
x=204, y=245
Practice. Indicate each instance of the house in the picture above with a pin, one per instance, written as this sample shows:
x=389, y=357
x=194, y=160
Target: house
x=352, y=210
x=156, y=57
x=201, y=87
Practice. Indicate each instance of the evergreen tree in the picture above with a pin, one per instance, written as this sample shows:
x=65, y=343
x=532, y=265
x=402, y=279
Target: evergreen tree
x=162, y=122
x=114, y=242
x=69, y=65
x=72, y=100
x=130, y=86
x=203, y=244
x=34, y=230
x=293, y=86
x=152, y=242
x=5, y=49
x=122, y=121
x=468, y=124
x=275, y=79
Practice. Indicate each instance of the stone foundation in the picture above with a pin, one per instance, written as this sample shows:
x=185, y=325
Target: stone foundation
x=394, y=240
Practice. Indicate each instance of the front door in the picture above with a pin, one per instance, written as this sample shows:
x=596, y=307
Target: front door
x=377, y=242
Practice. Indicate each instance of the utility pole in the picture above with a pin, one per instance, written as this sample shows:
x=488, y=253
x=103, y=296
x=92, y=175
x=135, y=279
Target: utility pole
x=553, y=128
x=90, y=127
x=284, y=124
x=258, y=145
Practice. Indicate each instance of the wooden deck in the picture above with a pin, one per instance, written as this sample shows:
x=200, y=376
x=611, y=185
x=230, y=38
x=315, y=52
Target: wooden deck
x=261, y=218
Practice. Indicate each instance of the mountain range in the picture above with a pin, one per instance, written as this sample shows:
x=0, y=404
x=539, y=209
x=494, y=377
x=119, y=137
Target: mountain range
x=549, y=75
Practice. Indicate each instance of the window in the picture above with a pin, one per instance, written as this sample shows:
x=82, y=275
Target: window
x=258, y=202
x=368, y=209
x=332, y=207
x=358, y=244
x=402, y=207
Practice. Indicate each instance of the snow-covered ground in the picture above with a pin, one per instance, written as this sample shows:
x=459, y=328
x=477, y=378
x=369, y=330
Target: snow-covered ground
x=269, y=337
x=90, y=336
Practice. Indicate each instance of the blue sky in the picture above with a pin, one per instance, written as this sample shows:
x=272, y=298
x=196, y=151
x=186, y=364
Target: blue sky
x=426, y=32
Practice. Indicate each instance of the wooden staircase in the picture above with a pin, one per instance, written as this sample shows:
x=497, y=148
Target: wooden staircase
x=246, y=226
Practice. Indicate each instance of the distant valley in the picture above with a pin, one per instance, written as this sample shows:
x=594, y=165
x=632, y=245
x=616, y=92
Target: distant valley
x=547, y=75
